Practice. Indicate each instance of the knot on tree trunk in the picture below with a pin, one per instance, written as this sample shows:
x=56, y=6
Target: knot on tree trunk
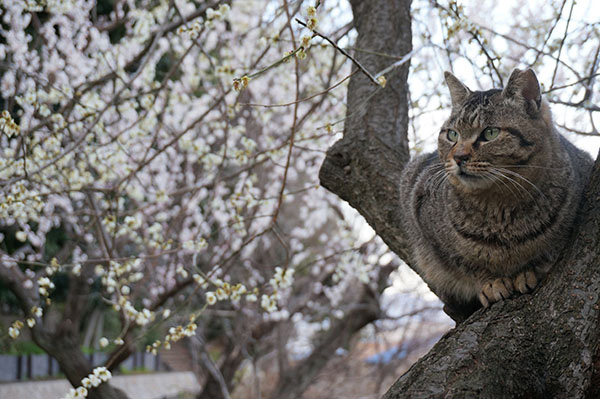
x=336, y=167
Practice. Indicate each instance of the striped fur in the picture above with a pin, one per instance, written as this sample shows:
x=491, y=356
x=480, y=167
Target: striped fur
x=489, y=217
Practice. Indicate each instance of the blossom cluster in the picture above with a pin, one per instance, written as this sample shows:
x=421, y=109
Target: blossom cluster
x=224, y=290
x=8, y=125
x=44, y=286
x=174, y=334
x=312, y=21
x=15, y=329
x=282, y=279
x=160, y=174
x=220, y=14
x=93, y=380
x=118, y=274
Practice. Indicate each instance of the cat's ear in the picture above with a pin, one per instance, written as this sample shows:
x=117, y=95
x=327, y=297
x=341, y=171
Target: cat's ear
x=524, y=84
x=458, y=91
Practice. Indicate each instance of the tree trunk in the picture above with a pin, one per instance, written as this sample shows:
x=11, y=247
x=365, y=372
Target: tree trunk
x=534, y=346
x=74, y=364
x=364, y=167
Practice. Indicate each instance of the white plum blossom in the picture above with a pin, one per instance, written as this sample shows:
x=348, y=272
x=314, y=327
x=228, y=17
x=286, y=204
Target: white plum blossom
x=268, y=303
x=21, y=236
x=13, y=332
x=211, y=298
x=93, y=380
x=134, y=147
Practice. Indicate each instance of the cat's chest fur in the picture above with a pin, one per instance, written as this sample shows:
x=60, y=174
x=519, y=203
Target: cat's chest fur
x=488, y=233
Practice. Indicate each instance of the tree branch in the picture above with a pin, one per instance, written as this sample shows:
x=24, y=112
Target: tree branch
x=364, y=167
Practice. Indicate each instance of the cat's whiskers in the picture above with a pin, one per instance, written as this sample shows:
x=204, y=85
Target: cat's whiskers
x=432, y=180
x=514, y=183
x=519, y=176
x=438, y=179
x=531, y=166
x=518, y=186
x=472, y=172
x=495, y=179
x=490, y=177
x=438, y=176
x=441, y=181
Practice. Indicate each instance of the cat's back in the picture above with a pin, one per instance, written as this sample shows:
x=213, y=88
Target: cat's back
x=580, y=162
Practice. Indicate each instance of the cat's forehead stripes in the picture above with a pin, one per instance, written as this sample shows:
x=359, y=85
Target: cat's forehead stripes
x=480, y=99
x=474, y=109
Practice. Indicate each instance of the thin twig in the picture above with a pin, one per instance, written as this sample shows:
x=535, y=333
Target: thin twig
x=295, y=120
x=594, y=132
x=400, y=62
x=589, y=107
x=555, y=88
x=303, y=99
x=551, y=30
x=562, y=43
x=344, y=52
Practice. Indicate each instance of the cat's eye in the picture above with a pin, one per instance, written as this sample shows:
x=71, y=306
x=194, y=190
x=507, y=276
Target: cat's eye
x=490, y=133
x=452, y=136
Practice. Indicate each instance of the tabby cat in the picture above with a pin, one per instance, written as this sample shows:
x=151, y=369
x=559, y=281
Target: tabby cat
x=491, y=210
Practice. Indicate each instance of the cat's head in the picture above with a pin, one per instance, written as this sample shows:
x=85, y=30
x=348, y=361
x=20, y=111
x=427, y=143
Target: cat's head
x=493, y=134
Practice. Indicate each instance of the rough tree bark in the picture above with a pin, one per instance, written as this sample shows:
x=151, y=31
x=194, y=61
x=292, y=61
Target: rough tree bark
x=534, y=346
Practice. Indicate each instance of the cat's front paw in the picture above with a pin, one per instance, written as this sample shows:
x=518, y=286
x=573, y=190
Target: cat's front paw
x=495, y=290
x=525, y=282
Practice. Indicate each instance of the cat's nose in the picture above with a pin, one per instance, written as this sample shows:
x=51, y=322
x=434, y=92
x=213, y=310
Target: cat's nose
x=461, y=158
